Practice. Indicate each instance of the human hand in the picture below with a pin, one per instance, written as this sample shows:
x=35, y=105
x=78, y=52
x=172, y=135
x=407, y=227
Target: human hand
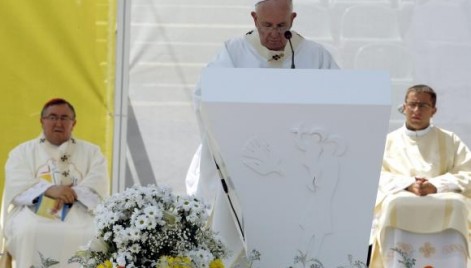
x=64, y=193
x=414, y=188
x=427, y=188
x=422, y=187
x=59, y=204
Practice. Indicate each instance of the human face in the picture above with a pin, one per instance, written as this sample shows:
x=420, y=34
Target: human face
x=57, y=122
x=419, y=110
x=272, y=18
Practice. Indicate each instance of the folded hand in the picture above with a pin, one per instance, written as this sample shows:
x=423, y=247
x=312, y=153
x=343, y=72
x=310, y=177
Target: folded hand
x=64, y=193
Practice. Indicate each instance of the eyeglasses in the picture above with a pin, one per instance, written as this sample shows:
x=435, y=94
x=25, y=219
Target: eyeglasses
x=420, y=105
x=280, y=28
x=55, y=118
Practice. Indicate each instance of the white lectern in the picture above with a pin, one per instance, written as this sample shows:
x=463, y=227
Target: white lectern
x=301, y=151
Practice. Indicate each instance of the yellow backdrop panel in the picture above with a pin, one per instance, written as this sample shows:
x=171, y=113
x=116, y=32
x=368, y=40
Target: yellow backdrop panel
x=56, y=48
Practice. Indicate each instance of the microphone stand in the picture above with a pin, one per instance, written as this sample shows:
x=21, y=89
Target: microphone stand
x=288, y=36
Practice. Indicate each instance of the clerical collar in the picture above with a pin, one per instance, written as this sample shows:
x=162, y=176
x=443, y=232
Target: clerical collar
x=272, y=56
x=417, y=133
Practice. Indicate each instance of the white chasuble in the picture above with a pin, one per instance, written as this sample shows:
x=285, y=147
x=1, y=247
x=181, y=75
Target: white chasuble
x=202, y=178
x=431, y=229
x=34, y=240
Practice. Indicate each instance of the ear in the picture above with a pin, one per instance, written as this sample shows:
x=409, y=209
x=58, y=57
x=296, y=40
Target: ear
x=434, y=111
x=254, y=16
x=293, y=15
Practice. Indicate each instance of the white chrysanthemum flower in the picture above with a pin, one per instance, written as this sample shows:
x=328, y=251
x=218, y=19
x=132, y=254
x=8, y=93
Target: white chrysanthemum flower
x=135, y=248
x=198, y=207
x=193, y=218
x=141, y=222
x=117, y=229
x=134, y=233
x=151, y=223
x=136, y=213
x=129, y=204
x=140, y=202
x=153, y=212
x=166, y=195
x=113, y=217
x=183, y=202
x=121, y=238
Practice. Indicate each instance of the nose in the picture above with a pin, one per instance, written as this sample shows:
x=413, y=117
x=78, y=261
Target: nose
x=59, y=122
x=277, y=30
x=415, y=107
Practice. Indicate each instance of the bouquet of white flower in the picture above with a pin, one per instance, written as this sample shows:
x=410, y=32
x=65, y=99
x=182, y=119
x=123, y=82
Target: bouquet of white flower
x=151, y=227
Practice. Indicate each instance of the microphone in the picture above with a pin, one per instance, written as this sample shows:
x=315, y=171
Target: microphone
x=288, y=36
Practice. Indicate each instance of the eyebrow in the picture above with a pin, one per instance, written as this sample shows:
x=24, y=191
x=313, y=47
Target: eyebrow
x=59, y=115
x=266, y=23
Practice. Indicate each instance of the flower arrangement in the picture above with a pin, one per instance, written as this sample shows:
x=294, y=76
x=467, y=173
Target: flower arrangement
x=151, y=227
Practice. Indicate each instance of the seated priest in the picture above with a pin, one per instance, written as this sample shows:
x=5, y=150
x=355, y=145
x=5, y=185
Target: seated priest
x=52, y=184
x=421, y=212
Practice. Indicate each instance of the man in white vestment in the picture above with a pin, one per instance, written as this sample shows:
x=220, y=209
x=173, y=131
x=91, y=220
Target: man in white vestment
x=52, y=184
x=264, y=47
x=421, y=211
